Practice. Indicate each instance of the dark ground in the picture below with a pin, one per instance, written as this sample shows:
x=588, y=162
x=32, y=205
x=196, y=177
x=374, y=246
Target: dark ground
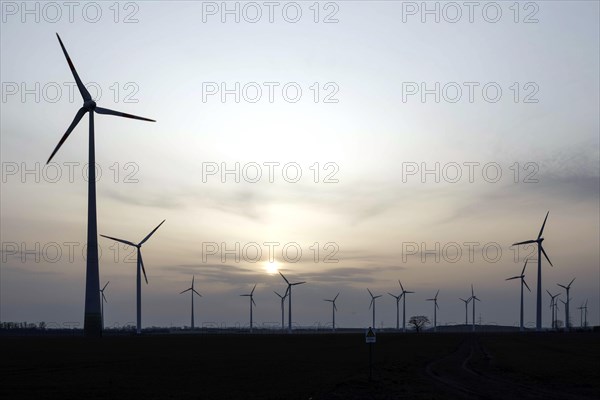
x=268, y=366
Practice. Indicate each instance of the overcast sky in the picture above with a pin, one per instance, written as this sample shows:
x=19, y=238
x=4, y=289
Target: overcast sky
x=502, y=101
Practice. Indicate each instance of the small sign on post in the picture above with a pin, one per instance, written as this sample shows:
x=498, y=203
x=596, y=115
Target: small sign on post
x=370, y=336
x=370, y=339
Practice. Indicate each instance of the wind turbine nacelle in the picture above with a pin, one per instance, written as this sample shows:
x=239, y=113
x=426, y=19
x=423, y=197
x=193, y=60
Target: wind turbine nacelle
x=89, y=105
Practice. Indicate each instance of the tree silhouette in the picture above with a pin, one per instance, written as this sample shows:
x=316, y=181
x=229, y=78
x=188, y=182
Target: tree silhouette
x=418, y=322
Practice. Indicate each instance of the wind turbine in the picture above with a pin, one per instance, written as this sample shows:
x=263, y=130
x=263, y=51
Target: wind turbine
x=282, y=306
x=102, y=303
x=466, y=310
x=585, y=324
x=140, y=269
x=93, y=313
x=435, y=308
x=252, y=303
x=580, y=315
x=334, y=308
x=372, y=304
x=540, y=250
x=404, y=293
x=397, y=308
x=192, y=292
x=567, y=288
x=289, y=292
x=473, y=298
x=554, y=307
x=522, y=278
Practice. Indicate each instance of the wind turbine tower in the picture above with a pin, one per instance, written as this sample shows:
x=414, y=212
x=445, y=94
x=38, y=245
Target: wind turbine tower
x=334, y=308
x=435, y=308
x=140, y=269
x=92, y=324
x=192, y=293
x=523, y=283
x=540, y=250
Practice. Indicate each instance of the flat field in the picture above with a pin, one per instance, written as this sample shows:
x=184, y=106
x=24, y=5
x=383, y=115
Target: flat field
x=302, y=366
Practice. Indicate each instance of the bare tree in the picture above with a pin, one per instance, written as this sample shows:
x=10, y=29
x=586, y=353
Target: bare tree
x=418, y=322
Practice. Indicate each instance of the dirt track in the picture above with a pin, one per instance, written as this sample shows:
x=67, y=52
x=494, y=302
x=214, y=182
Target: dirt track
x=469, y=373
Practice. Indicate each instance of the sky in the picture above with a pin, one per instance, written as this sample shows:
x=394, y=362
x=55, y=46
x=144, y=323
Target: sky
x=363, y=142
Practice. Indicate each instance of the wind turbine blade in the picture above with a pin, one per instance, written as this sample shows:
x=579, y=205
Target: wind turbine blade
x=524, y=266
x=543, y=225
x=186, y=290
x=251, y=298
x=376, y=297
x=546, y=255
x=84, y=92
x=408, y=291
x=142, y=264
x=460, y=298
x=193, y=277
x=280, y=296
x=472, y=293
x=334, y=306
x=76, y=120
x=107, y=111
x=436, y=306
x=298, y=283
x=549, y=294
x=570, y=283
x=105, y=285
x=104, y=298
x=514, y=277
x=284, y=278
x=393, y=295
x=370, y=292
x=401, y=287
x=194, y=290
x=152, y=233
x=558, y=284
x=525, y=242
x=127, y=242
x=252, y=292
x=336, y=296
x=526, y=285
x=436, y=295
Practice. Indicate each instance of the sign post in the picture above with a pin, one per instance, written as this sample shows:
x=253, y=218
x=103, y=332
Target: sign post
x=370, y=339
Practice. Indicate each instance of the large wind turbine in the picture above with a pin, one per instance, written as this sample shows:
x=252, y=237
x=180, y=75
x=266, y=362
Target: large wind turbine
x=540, y=250
x=103, y=301
x=473, y=298
x=289, y=292
x=567, y=288
x=372, y=304
x=192, y=292
x=404, y=293
x=435, y=308
x=522, y=278
x=282, y=298
x=397, y=308
x=93, y=313
x=585, y=314
x=140, y=269
x=252, y=303
x=334, y=308
x=554, y=307
x=466, y=309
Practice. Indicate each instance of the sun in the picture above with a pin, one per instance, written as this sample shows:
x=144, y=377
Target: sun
x=271, y=267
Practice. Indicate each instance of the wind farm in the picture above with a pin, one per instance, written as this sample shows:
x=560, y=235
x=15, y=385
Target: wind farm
x=309, y=157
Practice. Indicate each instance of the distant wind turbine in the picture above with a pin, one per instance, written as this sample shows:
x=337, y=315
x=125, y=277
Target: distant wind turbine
x=397, y=308
x=92, y=324
x=554, y=307
x=540, y=250
x=140, y=269
x=103, y=301
x=473, y=298
x=404, y=293
x=289, y=291
x=372, y=304
x=192, y=293
x=466, y=309
x=334, y=308
x=567, y=288
x=522, y=278
x=583, y=309
x=435, y=308
x=252, y=303
x=282, y=298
